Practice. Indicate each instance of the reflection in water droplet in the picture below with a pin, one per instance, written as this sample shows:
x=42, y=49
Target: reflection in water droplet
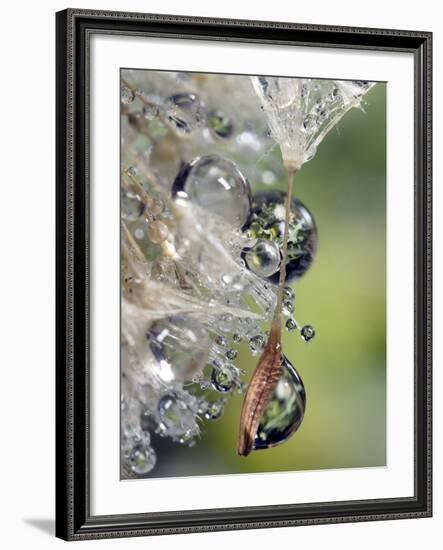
x=263, y=258
x=257, y=343
x=267, y=222
x=307, y=333
x=215, y=184
x=222, y=378
x=184, y=113
x=284, y=412
x=214, y=410
x=221, y=341
x=220, y=124
x=231, y=354
x=142, y=459
x=291, y=324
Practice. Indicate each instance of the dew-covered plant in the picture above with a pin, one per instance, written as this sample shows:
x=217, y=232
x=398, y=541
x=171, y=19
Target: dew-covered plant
x=206, y=260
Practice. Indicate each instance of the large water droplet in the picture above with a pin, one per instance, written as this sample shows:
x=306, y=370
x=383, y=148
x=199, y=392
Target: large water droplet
x=285, y=410
x=180, y=346
x=263, y=258
x=267, y=222
x=215, y=184
x=184, y=113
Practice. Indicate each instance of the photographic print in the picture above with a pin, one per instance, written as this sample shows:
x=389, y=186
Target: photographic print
x=253, y=274
x=244, y=317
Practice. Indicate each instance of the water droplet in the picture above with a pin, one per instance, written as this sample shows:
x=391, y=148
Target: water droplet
x=142, y=459
x=288, y=307
x=175, y=416
x=215, y=184
x=263, y=258
x=202, y=406
x=220, y=124
x=222, y=378
x=214, y=410
x=307, y=333
x=127, y=95
x=289, y=294
x=231, y=354
x=291, y=324
x=310, y=153
x=184, y=113
x=221, y=341
x=267, y=222
x=285, y=410
x=257, y=343
x=236, y=338
x=132, y=207
x=157, y=231
x=180, y=347
x=225, y=322
x=132, y=171
x=157, y=206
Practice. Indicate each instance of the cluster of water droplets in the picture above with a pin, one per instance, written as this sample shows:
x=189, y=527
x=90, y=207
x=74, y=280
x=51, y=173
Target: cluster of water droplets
x=201, y=250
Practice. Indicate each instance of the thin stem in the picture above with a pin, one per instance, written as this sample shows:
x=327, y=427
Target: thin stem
x=282, y=279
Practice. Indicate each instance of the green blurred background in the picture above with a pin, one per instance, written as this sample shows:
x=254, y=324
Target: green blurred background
x=343, y=296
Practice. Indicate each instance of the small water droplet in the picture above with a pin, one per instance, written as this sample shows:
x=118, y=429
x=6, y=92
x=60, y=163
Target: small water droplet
x=236, y=338
x=289, y=294
x=288, y=307
x=158, y=231
x=263, y=258
x=184, y=113
x=231, y=354
x=222, y=378
x=215, y=410
x=307, y=333
x=221, y=341
x=291, y=324
x=142, y=459
x=257, y=343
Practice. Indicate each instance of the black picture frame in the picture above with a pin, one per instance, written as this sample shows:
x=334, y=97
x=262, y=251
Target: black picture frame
x=74, y=521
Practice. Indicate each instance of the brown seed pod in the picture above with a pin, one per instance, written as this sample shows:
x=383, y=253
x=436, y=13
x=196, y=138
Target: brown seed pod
x=260, y=388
